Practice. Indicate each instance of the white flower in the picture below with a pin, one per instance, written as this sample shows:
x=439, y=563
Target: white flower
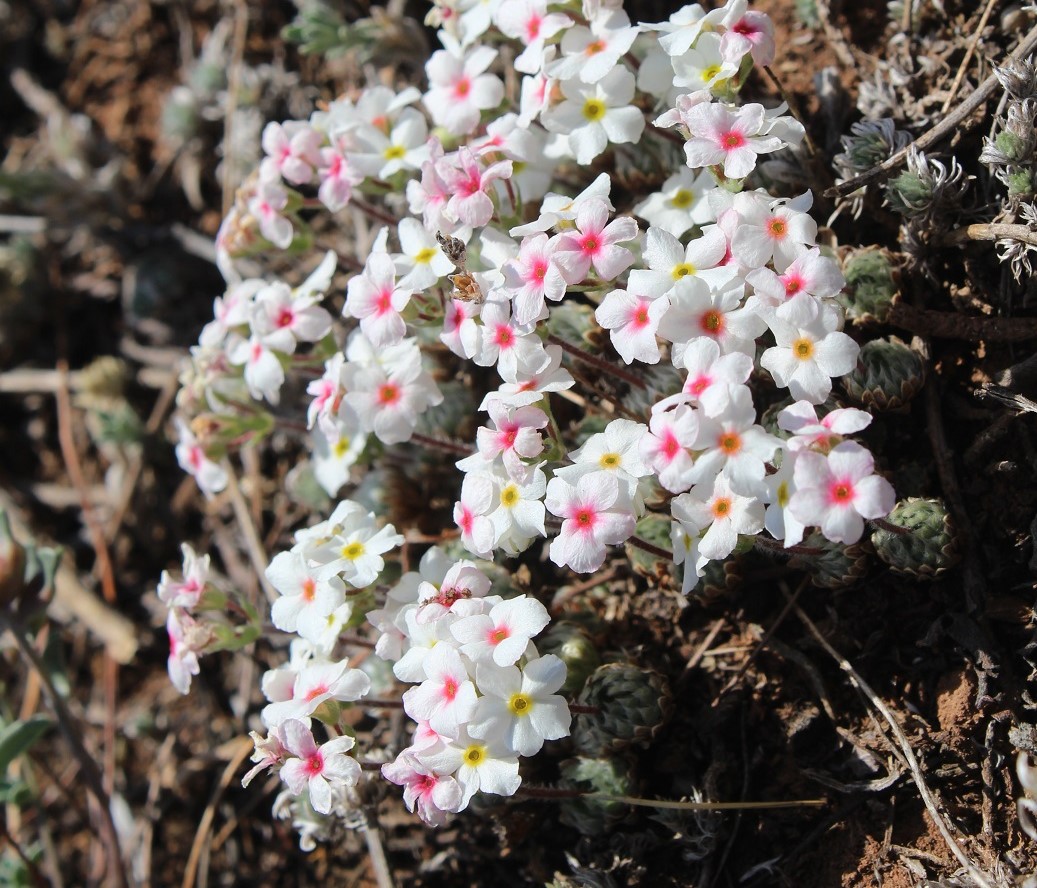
x=727, y=136
x=305, y=601
x=521, y=706
x=477, y=765
x=596, y=512
x=458, y=88
x=446, y=698
x=211, y=477
x=806, y=357
x=594, y=114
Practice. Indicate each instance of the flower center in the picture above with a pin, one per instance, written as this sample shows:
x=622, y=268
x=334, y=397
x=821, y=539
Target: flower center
x=509, y=496
x=315, y=764
x=593, y=109
x=731, y=140
x=840, y=493
x=474, y=755
x=803, y=349
x=584, y=519
x=388, y=394
x=697, y=387
x=730, y=442
x=709, y=73
x=309, y=589
x=712, y=322
x=683, y=270
x=721, y=507
x=682, y=199
x=352, y=551
x=777, y=228
x=463, y=87
x=609, y=460
x=424, y=256
x=520, y=704
x=394, y=152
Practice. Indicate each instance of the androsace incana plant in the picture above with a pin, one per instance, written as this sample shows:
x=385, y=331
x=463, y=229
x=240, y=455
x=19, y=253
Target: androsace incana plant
x=496, y=246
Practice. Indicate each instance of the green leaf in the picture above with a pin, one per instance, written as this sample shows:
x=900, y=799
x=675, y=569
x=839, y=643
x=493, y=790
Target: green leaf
x=19, y=736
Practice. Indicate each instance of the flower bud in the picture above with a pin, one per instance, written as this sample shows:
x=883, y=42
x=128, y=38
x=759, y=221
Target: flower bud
x=927, y=548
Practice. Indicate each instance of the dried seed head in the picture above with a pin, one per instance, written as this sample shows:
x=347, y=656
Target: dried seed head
x=453, y=248
x=466, y=287
x=1019, y=78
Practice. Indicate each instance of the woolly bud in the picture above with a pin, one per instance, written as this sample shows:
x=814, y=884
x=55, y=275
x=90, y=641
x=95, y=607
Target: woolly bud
x=870, y=285
x=926, y=548
x=632, y=703
x=889, y=373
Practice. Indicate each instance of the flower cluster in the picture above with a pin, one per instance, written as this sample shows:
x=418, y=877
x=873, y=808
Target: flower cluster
x=475, y=256
x=315, y=581
x=482, y=695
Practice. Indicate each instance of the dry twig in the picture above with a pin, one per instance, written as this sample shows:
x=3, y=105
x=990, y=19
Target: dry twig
x=945, y=127
x=931, y=805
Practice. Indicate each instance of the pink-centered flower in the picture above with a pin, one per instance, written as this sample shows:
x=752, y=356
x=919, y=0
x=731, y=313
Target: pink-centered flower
x=459, y=90
x=468, y=184
x=596, y=512
x=317, y=769
x=838, y=491
x=503, y=634
x=633, y=321
x=811, y=433
x=529, y=22
x=666, y=449
x=729, y=137
x=446, y=698
x=185, y=593
x=375, y=299
x=595, y=242
x=426, y=792
x=532, y=277
x=515, y=436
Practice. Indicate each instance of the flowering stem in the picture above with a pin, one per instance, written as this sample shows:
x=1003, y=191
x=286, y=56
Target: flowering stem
x=374, y=212
x=440, y=444
x=774, y=546
x=890, y=526
x=553, y=792
x=594, y=361
x=580, y=709
x=650, y=548
x=378, y=703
